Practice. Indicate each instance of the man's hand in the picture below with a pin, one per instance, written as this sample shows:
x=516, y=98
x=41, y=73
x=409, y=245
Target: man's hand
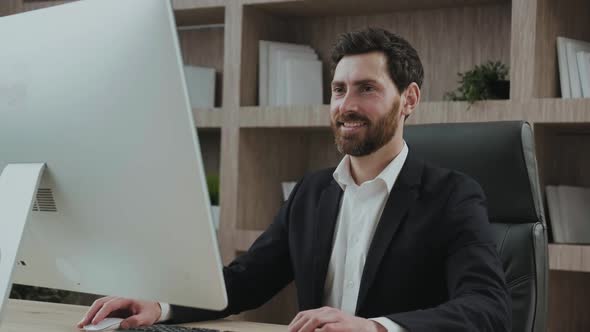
x=328, y=319
x=137, y=313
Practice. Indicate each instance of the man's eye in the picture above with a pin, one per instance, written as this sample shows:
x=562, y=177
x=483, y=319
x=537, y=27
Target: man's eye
x=337, y=90
x=367, y=88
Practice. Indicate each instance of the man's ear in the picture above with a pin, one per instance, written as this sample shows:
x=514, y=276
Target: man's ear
x=411, y=99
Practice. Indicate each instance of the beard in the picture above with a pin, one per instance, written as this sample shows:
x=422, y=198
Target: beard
x=371, y=137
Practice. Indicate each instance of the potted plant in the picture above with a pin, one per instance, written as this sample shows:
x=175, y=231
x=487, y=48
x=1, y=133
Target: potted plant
x=487, y=81
x=213, y=186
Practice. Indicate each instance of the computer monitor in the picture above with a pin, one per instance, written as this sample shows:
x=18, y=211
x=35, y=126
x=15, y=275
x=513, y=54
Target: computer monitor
x=93, y=97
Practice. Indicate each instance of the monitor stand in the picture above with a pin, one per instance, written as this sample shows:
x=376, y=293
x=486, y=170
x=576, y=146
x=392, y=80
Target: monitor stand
x=18, y=187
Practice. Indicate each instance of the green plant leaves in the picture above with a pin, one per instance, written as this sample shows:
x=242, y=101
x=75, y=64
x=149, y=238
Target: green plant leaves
x=476, y=84
x=213, y=185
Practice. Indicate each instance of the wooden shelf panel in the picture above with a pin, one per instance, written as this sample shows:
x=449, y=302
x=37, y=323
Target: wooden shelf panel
x=285, y=116
x=199, y=15
x=569, y=257
x=557, y=110
x=352, y=8
x=270, y=156
x=533, y=111
x=243, y=239
x=197, y=4
x=208, y=118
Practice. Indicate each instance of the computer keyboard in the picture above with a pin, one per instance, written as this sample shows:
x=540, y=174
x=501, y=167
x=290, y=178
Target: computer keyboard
x=172, y=328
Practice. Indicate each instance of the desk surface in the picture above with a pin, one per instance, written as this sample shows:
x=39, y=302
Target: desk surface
x=29, y=316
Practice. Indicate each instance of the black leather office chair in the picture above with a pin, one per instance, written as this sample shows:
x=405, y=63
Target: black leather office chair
x=501, y=157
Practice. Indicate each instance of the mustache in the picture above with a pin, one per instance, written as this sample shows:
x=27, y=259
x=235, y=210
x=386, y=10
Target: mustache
x=351, y=117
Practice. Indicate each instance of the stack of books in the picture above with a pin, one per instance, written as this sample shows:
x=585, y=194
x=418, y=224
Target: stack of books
x=569, y=213
x=574, y=67
x=200, y=82
x=288, y=74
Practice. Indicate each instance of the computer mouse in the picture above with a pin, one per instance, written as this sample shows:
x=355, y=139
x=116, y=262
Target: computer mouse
x=107, y=324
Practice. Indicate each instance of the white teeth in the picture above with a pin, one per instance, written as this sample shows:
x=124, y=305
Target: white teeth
x=352, y=124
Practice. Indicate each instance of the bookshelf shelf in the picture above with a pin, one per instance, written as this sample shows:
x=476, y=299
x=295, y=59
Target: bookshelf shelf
x=535, y=111
x=569, y=257
x=208, y=118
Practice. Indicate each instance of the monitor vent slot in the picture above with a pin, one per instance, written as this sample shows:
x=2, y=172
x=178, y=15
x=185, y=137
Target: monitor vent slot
x=44, y=201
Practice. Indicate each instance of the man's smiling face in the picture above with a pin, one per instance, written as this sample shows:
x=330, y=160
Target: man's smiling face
x=365, y=105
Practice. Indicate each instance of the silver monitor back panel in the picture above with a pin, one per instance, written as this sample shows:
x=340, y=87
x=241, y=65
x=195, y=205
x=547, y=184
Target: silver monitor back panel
x=95, y=89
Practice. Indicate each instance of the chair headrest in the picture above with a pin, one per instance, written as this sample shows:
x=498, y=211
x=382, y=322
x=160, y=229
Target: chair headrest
x=498, y=155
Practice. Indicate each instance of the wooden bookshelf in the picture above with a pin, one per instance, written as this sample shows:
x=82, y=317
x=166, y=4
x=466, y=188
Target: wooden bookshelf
x=256, y=148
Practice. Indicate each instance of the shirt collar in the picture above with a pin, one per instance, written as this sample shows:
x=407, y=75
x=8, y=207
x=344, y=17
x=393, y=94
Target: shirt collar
x=388, y=175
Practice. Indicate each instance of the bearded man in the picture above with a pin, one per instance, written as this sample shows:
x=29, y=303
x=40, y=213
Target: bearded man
x=383, y=242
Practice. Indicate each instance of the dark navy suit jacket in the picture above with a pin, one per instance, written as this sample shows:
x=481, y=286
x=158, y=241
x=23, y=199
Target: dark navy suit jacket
x=432, y=264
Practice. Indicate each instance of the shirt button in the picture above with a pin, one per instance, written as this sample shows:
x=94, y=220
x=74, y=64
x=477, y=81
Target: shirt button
x=355, y=240
x=350, y=284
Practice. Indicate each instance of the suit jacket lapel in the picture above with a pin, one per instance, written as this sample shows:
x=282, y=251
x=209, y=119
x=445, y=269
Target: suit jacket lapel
x=401, y=198
x=326, y=215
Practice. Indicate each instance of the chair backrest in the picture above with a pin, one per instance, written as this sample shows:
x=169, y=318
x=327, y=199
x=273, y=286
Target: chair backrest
x=501, y=157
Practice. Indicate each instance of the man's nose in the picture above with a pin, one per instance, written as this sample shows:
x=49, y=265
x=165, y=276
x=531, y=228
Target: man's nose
x=349, y=103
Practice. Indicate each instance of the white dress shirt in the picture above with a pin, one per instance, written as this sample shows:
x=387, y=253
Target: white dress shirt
x=360, y=211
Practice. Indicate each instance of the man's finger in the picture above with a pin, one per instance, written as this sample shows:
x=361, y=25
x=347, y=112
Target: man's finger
x=301, y=318
x=321, y=319
x=296, y=318
x=109, y=307
x=323, y=315
x=311, y=324
x=295, y=326
x=296, y=322
x=94, y=308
